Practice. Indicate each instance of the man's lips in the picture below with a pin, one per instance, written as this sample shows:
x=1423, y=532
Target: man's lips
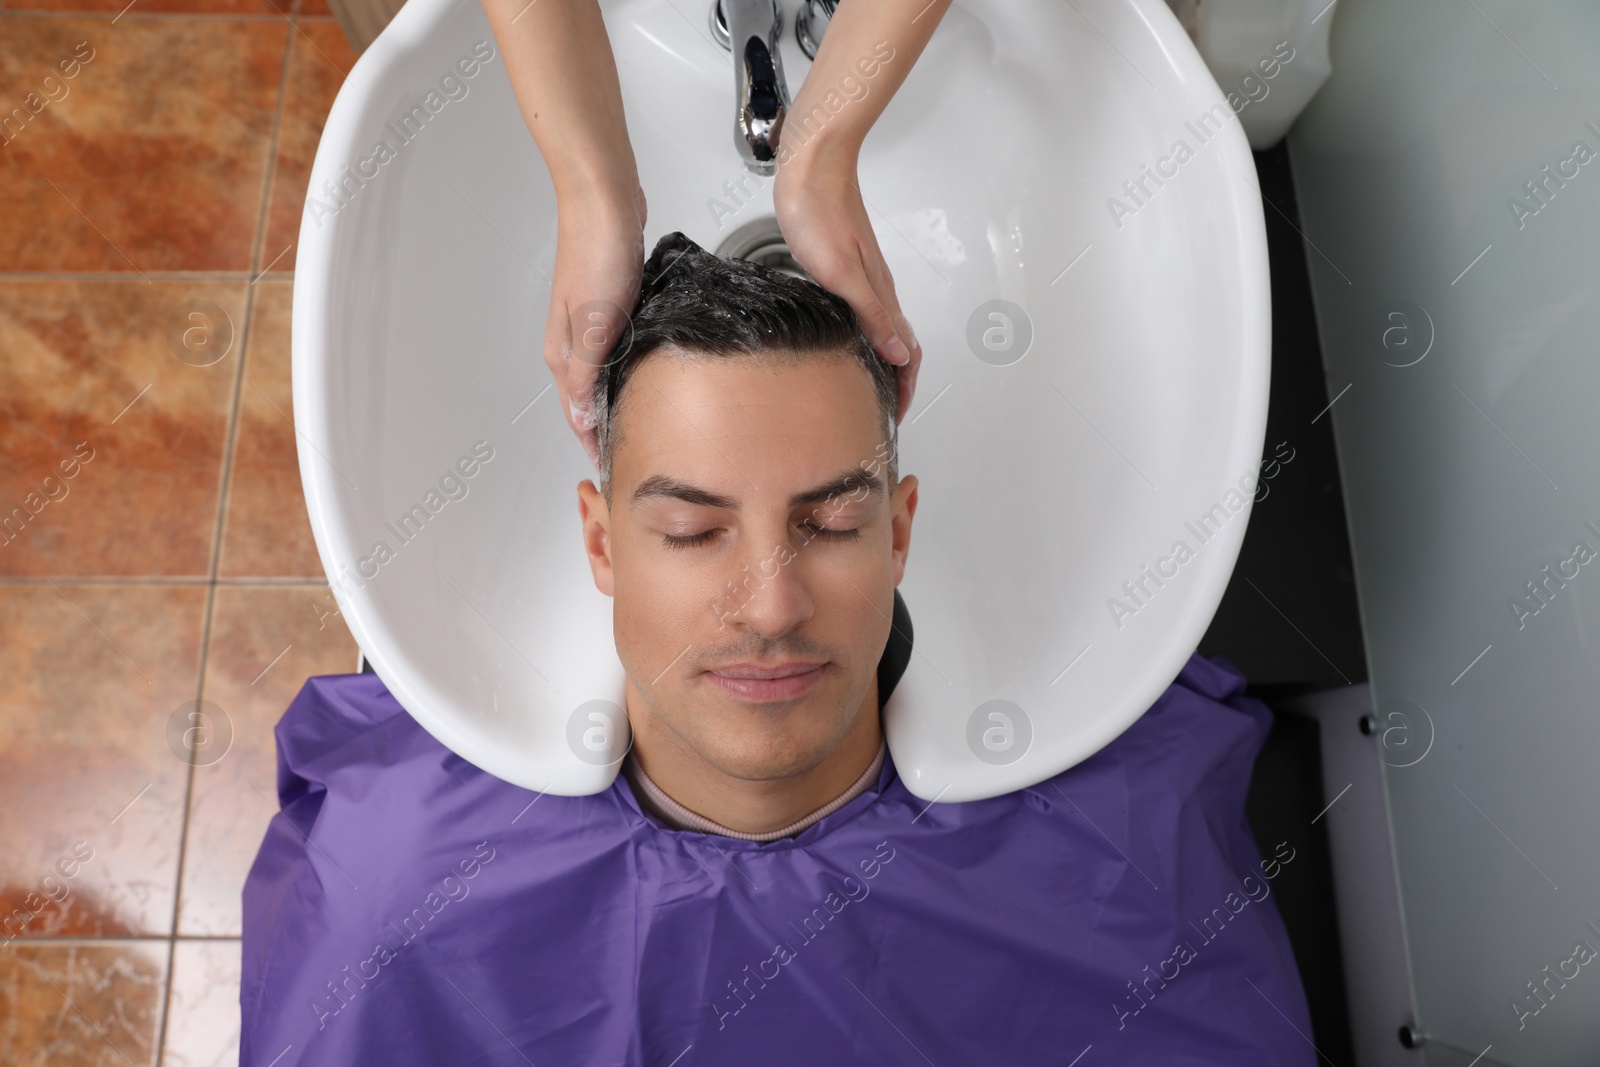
x=755, y=682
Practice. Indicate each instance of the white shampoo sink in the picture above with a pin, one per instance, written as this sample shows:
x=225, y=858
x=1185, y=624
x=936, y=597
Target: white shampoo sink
x=1070, y=212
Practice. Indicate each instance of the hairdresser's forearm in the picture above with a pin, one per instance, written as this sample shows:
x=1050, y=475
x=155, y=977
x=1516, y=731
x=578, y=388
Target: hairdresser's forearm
x=859, y=32
x=564, y=78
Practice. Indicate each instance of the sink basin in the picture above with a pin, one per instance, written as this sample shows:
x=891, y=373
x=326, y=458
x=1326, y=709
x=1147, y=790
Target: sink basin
x=1093, y=392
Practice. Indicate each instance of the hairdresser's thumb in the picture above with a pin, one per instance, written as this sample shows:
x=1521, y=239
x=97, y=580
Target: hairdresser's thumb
x=878, y=325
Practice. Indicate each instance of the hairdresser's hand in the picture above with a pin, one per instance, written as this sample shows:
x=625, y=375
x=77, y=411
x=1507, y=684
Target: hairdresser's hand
x=823, y=219
x=599, y=261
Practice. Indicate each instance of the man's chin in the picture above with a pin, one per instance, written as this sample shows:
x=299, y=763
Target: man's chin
x=765, y=759
x=759, y=741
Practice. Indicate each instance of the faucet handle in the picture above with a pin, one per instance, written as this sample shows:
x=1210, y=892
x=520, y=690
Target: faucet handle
x=811, y=23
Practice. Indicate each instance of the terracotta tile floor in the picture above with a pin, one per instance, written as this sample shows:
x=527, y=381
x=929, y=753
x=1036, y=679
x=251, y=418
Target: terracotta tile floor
x=154, y=547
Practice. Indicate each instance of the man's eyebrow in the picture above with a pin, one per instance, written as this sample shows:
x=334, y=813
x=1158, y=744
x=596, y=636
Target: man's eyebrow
x=857, y=483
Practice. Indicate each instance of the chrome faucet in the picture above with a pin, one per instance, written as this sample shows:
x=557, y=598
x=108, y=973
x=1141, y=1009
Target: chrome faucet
x=750, y=30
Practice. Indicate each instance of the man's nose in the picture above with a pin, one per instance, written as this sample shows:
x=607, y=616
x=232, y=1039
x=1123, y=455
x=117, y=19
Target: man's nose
x=771, y=594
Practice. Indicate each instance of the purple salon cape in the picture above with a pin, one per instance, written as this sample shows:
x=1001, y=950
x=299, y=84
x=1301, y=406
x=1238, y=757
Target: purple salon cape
x=408, y=908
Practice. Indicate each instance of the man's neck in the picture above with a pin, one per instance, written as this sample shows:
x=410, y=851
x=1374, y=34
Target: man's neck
x=754, y=806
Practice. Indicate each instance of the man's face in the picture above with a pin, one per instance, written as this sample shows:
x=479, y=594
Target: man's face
x=772, y=567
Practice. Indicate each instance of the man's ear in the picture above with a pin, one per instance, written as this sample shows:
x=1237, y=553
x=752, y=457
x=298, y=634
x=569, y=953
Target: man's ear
x=902, y=507
x=596, y=518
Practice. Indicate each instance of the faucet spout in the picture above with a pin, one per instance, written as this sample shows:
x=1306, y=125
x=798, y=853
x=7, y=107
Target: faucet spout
x=761, y=94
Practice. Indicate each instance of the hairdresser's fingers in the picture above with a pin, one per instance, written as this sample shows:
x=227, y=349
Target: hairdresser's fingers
x=851, y=276
x=584, y=335
x=599, y=260
x=880, y=314
x=882, y=282
x=824, y=220
x=906, y=375
x=839, y=250
x=569, y=383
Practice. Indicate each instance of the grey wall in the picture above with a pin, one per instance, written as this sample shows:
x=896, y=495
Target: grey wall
x=1465, y=474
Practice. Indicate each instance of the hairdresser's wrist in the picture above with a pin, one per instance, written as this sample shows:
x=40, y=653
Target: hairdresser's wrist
x=824, y=155
x=600, y=175
x=615, y=201
x=813, y=128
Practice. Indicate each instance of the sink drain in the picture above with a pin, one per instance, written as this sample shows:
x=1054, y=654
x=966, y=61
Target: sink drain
x=761, y=241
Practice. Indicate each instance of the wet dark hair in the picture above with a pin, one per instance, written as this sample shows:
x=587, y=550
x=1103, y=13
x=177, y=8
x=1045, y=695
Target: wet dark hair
x=705, y=305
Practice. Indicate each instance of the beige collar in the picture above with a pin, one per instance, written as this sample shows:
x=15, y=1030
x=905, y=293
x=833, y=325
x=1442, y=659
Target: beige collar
x=669, y=811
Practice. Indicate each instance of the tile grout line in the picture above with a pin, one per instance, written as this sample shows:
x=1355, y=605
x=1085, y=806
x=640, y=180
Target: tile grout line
x=126, y=276
x=262, y=215
x=160, y=16
x=114, y=579
x=86, y=940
